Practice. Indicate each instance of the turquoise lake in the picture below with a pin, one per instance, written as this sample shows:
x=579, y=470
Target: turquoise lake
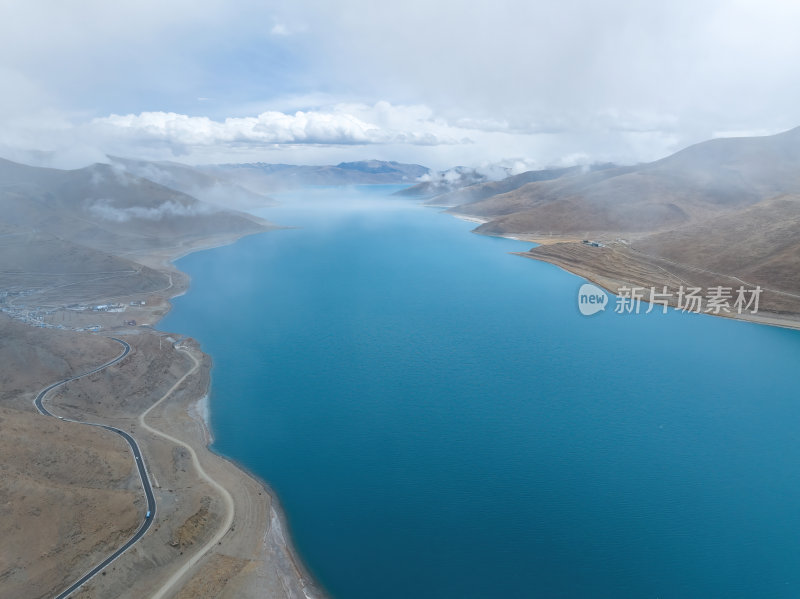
x=440, y=421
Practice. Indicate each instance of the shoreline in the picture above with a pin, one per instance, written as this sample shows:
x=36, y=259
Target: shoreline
x=482, y=221
x=464, y=217
x=586, y=273
x=278, y=516
x=760, y=318
x=199, y=410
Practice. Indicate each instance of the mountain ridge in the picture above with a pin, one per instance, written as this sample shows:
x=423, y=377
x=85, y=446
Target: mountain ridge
x=267, y=177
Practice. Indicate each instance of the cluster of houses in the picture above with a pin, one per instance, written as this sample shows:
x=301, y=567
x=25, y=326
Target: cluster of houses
x=36, y=317
x=31, y=317
x=98, y=308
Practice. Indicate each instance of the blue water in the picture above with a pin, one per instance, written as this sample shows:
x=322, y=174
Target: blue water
x=439, y=421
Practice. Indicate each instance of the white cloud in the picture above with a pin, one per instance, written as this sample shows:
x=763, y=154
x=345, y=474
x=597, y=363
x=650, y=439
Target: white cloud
x=343, y=125
x=105, y=209
x=744, y=133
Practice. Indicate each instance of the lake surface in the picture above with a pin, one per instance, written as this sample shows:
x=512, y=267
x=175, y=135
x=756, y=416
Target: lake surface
x=440, y=421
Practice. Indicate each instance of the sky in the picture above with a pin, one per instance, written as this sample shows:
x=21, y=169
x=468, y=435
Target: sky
x=517, y=82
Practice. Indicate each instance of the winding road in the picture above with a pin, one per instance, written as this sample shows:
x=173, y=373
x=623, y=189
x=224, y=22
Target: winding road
x=227, y=499
x=137, y=455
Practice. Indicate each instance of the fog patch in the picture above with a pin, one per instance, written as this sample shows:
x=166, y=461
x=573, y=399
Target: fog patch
x=106, y=210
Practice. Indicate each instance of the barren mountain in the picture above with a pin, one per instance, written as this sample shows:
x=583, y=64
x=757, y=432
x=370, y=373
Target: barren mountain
x=43, y=270
x=481, y=191
x=759, y=244
x=723, y=212
x=699, y=182
x=111, y=210
x=96, y=235
x=68, y=493
x=212, y=188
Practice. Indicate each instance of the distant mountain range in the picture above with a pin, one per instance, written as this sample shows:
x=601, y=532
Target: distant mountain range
x=266, y=178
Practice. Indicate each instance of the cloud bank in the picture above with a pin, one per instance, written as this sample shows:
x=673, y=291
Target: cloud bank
x=340, y=126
